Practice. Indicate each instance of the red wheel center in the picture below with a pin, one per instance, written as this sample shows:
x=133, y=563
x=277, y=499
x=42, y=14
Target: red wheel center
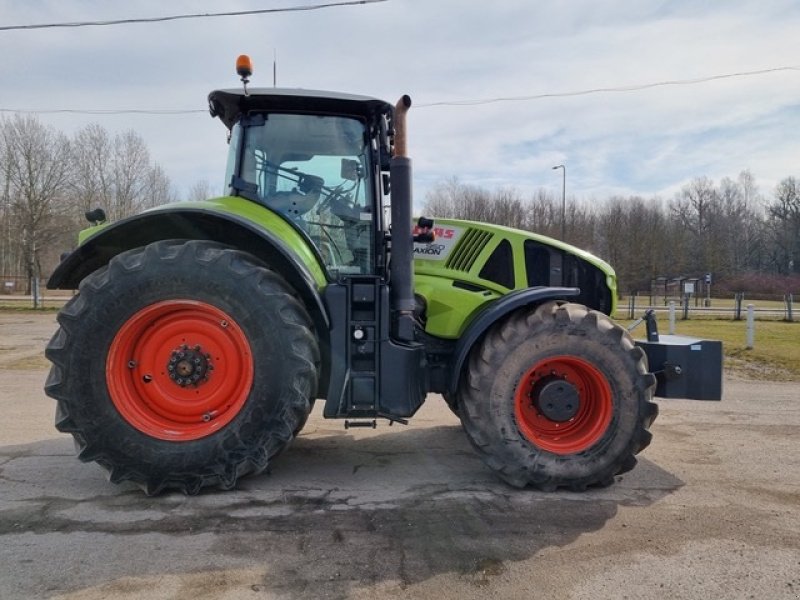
x=179, y=370
x=563, y=405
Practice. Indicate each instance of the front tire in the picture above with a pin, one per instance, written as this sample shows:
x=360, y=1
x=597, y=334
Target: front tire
x=182, y=365
x=558, y=397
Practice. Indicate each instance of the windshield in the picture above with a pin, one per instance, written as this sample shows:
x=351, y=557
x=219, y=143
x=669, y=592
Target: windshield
x=315, y=170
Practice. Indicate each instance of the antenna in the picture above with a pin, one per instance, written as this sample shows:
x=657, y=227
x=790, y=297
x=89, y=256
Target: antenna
x=274, y=68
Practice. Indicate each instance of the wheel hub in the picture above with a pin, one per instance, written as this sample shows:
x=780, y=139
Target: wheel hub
x=189, y=366
x=563, y=404
x=558, y=400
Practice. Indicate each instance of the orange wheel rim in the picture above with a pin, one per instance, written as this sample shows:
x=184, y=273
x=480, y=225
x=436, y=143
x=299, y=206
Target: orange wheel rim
x=179, y=370
x=563, y=405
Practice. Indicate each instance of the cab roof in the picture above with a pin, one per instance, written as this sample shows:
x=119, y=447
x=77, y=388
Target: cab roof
x=230, y=105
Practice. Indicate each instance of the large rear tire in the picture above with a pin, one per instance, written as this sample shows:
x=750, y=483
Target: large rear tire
x=182, y=365
x=558, y=397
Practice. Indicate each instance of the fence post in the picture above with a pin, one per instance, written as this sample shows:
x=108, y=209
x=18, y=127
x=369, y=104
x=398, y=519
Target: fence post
x=751, y=326
x=672, y=317
x=737, y=311
x=789, y=298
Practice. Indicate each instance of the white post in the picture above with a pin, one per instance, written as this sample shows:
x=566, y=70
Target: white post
x=751, y=326
x=672, y=317
x=36, y=292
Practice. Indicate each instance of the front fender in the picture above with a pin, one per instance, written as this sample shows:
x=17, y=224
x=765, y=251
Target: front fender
x=494, y=312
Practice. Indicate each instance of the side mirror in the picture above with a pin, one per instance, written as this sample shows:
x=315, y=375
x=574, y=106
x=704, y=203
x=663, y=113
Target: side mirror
x=351, y=169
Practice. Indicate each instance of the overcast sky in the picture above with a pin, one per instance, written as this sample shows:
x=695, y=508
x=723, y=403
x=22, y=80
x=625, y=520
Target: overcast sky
x=641, y=142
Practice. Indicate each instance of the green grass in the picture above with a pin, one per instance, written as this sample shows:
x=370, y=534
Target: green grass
x=775, y=354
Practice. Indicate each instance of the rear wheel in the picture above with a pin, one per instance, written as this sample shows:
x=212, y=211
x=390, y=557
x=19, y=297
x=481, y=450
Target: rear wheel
x=182, y=365
x=558, y=397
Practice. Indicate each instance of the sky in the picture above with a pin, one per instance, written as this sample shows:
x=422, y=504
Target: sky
x=647, y=142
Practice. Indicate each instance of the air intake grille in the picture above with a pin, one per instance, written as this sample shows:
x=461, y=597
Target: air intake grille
x=467, y=249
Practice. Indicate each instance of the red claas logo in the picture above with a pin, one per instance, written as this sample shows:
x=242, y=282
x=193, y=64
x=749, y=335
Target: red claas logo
x=441, y=232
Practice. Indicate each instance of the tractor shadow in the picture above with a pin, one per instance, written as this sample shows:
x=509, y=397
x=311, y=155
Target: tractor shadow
x=340, y=510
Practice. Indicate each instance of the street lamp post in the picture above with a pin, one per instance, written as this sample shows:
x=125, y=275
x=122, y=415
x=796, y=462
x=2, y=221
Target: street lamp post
x=563, y=199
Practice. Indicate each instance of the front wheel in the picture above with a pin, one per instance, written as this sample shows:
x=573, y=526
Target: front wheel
x=182, y=365
x=558, y=397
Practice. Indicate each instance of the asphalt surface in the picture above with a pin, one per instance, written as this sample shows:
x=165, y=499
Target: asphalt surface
x=711, y=511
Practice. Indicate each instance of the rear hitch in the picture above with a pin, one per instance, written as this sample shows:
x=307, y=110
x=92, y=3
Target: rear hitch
x=651, y=324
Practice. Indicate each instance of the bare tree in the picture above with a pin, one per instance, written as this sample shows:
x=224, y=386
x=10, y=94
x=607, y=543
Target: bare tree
x=199, y=191
x=507, y=208
x=611, y=223
x=784, y=222
x=580, y=225
x=696, y=208
x=634, y=237
x=9, y=251
x=544, y=214
x=93, y=170
x=37, y=183
x=454, y=199
x=116, y=174
x=157, y=188
x=131, y=161
x=440, y=202
x=753, y=237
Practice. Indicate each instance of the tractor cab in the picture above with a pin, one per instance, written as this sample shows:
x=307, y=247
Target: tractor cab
x=315, y=159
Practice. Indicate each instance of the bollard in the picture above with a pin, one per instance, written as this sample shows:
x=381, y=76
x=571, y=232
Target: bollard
x=751, y=326
x=672, y=317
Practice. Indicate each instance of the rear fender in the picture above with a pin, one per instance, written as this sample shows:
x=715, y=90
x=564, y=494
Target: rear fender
x=494, y=312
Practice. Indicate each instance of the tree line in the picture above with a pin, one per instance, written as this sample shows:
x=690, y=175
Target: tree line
x=729, y=229
x=48, y=180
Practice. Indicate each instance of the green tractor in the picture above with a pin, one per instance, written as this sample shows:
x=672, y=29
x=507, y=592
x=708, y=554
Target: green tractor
x=204, y=332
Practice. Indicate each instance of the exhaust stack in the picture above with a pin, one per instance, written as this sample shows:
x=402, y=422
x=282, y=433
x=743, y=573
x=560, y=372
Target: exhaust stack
x=402, y=257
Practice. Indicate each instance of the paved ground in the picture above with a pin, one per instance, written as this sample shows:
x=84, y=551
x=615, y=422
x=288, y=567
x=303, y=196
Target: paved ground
x=712, y=511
